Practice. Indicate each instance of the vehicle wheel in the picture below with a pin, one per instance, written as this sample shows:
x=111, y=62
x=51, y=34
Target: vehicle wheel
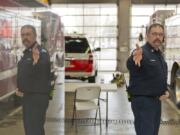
x=172, y=94
x=96, y=72
x=82, y=79
x=177, y=90
x=92, y=79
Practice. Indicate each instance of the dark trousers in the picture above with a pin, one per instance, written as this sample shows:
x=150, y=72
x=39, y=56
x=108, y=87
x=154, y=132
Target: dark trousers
x=34, y=113
x=147, y=115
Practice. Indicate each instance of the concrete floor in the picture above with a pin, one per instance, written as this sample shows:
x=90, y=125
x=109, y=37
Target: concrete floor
x=13, y=125
x=120, y=116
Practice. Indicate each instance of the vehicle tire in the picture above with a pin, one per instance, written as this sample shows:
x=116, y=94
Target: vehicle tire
x=172, y=94
x=82, y=79
x=92, y=79
x=177, y=91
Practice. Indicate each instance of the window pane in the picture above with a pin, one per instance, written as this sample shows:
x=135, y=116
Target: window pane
x=178, y=9
x=91, y=20
x=92, y=31
x=108, y=32
x=139, y=10
x=104, y=43
x=74, y=9
x=94, y=42
x=72, y=20
x=108, y=9
x=165, y=7
x=91, y=9
x=140, y=21
x=73, y=30
x=108, y=54
x=107, y=65
x=108, y=20
x=108, y=43
x=136, y=31
x=61, y=11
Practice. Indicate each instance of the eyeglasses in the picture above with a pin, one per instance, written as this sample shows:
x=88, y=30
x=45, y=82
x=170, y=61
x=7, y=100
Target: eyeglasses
x=155, y=34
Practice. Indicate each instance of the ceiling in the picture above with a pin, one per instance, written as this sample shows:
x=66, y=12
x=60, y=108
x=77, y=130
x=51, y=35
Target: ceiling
x=115, y=1
x=31, y=3
x=38, y=3
x=22, y=3
x=9, y=3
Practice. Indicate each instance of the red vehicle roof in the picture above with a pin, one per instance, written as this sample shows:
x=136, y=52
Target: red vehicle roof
x=9, y=3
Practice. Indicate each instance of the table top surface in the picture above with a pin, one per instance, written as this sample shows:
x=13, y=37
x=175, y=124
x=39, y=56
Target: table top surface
x=106, y=87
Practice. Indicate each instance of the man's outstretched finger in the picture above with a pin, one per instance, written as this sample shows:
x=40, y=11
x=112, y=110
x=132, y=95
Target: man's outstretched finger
x=137, y=46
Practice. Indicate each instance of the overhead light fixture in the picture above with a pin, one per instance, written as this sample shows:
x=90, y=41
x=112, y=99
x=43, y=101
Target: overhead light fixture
x=46, y=2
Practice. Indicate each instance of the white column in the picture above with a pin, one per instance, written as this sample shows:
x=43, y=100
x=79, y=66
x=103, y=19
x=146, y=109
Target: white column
x=124, y=12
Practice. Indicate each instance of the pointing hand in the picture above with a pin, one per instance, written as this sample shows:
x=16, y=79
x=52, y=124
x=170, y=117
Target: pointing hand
x=35, y=55
x=165, y=96
x=137, y=55
x=19, y=93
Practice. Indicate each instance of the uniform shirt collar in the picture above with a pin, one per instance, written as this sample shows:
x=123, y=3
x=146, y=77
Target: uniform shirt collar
x=30, y=48
x=152, y=49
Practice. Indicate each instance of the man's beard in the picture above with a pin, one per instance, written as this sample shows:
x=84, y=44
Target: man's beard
x=26, y=43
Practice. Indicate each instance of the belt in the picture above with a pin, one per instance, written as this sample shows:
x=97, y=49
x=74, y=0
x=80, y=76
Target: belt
x=154, y=97
x=35, y=93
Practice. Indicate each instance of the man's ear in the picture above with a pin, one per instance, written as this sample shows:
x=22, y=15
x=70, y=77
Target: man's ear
x=146, y=37
x=163, y=39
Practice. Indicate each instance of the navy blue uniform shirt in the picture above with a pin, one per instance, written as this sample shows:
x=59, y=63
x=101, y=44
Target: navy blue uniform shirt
x=150, y=79
x=34, y=78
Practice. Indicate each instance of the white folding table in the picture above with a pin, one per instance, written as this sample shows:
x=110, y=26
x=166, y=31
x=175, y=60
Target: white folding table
x=71, y=87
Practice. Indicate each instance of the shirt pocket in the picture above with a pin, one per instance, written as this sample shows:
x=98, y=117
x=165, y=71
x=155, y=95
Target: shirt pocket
x=152, y=62
x=152, y=67
x=28, y=60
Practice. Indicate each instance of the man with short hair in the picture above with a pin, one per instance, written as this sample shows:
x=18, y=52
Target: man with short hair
x=33, y=82
x=148, y=82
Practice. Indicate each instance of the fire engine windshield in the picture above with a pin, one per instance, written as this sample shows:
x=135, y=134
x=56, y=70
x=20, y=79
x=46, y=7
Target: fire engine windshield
x=76, y=45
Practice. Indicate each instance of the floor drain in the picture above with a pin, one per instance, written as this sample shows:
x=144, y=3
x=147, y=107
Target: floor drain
x=103, y=121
